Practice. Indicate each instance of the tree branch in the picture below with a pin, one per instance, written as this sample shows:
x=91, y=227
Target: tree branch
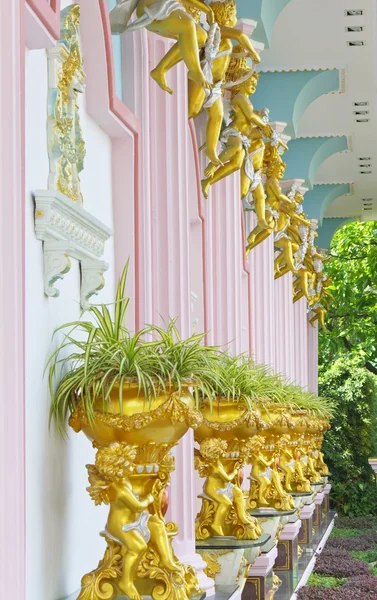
x=347, y=258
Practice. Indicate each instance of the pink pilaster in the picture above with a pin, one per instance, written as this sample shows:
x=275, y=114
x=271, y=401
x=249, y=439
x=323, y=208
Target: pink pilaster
x=170, y=197
x=301, y=344
x=313, y=358
x=12, y=368
x=261, y=260
x=284, y=327
x=136, y=52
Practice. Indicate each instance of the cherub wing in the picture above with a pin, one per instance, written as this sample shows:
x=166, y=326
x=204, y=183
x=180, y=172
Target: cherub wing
x=121, y=14
x=199, y=464
x=98, y=489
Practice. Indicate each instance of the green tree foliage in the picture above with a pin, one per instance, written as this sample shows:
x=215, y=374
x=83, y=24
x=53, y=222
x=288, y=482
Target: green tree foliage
x=352, y=316
x=353, y=436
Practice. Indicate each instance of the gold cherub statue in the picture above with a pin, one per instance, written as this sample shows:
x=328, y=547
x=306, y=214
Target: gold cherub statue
x=287, y=462
x=139, y=554
x=223, y=507
x=170, y=19
x=215, y=64
x=225, y=14
x=277, y=203
x=293, y=464
x=320, y=464
x=289, y=239
x=312, y=473
x=265, y=483
x=301, y=467
x=240, y=150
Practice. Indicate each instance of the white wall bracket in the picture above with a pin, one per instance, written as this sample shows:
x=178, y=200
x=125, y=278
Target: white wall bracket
x=68, y=231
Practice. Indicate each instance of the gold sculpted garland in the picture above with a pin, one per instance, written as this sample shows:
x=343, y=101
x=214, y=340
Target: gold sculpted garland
x=173, y=408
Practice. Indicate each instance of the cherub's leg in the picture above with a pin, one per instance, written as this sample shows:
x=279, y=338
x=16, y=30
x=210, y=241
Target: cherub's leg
x=299, y=471
x=196, y=98
x=278, y=262
x=190, y=36
x=288, y=253
x=135, y=546
x=320, y=316
x=245, y=183
x=314, y=319
x=160, y=540
x=305, y=283
x=288, y=479
x=215, y=118
x=282, y=271
x=265, y=484
x=298, y=295
x=230, y=152
x=256, y=237
x=277, y=483
x=239, y=504
x=233, y=156
x=171, y=58
x=260, y=205
x=222, y=507
x=252, y=237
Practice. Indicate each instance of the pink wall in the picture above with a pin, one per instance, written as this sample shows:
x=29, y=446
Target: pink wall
x=178, y=242
x=12, y=366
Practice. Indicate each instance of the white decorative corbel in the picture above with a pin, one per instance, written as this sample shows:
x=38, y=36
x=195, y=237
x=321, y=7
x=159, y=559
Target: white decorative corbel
x=92, y=279
x=69, y=231
x=56, y=264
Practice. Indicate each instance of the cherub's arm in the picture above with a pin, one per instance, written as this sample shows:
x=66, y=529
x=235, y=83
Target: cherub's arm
x=246, y=107
x=283, y=145
x=130, y=500
x=300, y=219
x=242, y=39
x=265, y=462
x=294, y=234
x=224, y=475
x=286, y=204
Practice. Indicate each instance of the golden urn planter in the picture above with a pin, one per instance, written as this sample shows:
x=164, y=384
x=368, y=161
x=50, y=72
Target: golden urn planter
x=131, y=471
x=223, y=440
x=227, y=420
x=138, y=420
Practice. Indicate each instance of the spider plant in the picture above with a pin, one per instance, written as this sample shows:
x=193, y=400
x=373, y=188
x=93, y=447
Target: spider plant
x=239, y=378
x=315, y=405
x=295, y=397
x=100, y=355
x=186, y=361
